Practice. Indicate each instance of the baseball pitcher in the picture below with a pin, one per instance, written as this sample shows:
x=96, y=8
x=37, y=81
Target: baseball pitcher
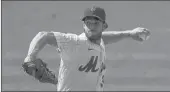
x=82, y=66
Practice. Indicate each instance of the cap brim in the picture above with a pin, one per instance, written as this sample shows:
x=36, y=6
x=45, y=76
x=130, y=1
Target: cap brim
x=91, y=16
x=82, y=19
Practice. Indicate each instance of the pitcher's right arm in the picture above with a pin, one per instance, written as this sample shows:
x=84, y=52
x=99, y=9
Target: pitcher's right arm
x=38, y=43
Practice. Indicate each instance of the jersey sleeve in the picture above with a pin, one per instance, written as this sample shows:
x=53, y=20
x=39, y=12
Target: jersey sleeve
x=65, y=40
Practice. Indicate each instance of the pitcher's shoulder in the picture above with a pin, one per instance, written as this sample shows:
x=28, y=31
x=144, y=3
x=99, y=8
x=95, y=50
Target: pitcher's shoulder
x=82, y=37
x=71, y=36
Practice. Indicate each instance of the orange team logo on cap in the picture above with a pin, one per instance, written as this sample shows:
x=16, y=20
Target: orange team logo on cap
x=93, y=8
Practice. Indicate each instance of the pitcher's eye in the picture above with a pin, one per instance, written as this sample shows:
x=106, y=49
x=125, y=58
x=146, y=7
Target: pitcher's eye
x=97, y=19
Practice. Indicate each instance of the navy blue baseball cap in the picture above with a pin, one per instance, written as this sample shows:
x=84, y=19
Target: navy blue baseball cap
x=95, y=12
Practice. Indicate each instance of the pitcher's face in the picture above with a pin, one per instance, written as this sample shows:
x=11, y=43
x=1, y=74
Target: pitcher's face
x=93, y=27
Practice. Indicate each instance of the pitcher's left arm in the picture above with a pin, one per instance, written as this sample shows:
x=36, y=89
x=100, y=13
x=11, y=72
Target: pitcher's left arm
x=139, y=34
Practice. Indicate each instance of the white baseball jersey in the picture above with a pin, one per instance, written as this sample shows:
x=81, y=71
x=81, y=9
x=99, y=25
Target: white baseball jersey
x=82, y=63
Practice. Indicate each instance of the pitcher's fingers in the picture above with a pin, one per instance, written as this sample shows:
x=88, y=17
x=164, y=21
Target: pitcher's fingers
x=147, y=31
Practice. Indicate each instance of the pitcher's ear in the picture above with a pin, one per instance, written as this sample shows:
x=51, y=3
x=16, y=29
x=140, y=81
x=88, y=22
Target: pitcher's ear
x=105, y=26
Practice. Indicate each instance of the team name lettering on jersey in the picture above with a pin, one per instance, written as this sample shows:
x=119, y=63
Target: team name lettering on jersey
x=90, y=66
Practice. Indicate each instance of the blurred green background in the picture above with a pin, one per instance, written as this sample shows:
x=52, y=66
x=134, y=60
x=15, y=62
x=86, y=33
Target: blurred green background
x=130, y=65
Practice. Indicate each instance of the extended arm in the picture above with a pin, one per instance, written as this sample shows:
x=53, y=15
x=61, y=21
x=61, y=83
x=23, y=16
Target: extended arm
x=138, y=34
x=115, y=36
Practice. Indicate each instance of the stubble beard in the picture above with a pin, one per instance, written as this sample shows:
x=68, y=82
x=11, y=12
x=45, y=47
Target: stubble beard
x=93, y=37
